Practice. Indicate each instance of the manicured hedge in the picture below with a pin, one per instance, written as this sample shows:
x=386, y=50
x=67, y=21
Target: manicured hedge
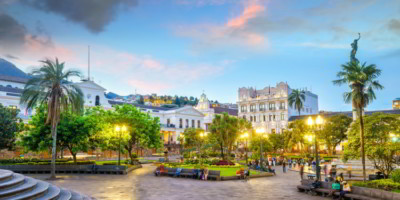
x=35, y=161
x=383, y=184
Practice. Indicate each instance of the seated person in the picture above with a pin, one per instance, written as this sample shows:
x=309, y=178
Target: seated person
x=178, y=172
x=346, y=189
x=329, y=179
x=271, y=170
x=240, y=173
x=335, y=188
x=159, y=170
x=205, y=174
x=314, y=185
x=340, y=178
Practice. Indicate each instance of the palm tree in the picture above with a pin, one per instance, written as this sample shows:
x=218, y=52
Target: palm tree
x=49, y=85
x=296, y=98
x=362, y=82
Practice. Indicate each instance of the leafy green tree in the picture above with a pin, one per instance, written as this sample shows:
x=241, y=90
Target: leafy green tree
x=379, y=146
x=295, y=134
x=49, y=84
x=276, y=141
x=10, y=125
x=296, y=99
x=74, y=132
x=362, y=82
x=143, y=131
x=335, y=131
x=255, y=145
x=192, y=138
x=225, y=130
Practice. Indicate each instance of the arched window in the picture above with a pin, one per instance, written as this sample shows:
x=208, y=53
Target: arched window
x=251, y=118
x=97, y=103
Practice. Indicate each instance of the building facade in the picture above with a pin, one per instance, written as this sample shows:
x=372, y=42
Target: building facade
x=13, y=80
x=268, y=108
x=209, y=111
x=396, y=104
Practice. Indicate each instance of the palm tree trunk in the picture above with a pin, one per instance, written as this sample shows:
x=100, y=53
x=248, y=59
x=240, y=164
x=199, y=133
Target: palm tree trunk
x=362, y=143
x=53, y=151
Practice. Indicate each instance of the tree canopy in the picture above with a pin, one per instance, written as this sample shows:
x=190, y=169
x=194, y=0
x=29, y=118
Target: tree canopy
x=379, y=147
x=334, y=131
x=10, y=126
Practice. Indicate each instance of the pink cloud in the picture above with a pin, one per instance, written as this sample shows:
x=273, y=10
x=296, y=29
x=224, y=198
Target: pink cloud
x=249, y=12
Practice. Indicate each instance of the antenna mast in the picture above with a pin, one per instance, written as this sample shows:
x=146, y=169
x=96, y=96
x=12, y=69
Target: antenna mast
x=88, y=62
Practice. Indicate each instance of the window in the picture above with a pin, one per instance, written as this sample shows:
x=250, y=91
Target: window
x=273, y=118
x=97, y=102
x=282, y=106
x=270, y=118
x=180, y=123
x=262, y=107
x=243, y=109
x=251, y=118
x=271, y=106
x=198, y=123
x=253, y=108
x=264, y=118
x=192, y=123
x=306, y=109
x=310, y=110
x=168, y=122
x=244, y=117
x=187, y=123
x=282, y=116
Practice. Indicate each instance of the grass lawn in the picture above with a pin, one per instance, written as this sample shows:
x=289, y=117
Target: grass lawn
x=225, y=171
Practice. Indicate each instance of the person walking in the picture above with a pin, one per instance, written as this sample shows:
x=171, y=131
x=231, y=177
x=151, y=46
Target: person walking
x=326, y=170
x=284, y=166
x=301, y=171
x=290, y=163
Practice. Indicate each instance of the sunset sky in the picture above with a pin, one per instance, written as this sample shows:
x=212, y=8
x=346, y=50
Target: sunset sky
x=186, y=46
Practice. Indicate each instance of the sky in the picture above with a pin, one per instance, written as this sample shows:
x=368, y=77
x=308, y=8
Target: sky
x=182, y=47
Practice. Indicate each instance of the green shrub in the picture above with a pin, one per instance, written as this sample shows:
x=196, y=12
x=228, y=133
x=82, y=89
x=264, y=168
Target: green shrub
x=383, y=184
x=395, y=176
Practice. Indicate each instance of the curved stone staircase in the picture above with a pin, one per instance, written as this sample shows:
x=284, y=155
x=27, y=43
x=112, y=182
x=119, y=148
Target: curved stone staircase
x=15, y=186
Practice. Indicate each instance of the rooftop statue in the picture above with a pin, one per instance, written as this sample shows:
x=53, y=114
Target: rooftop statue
x=354, y=47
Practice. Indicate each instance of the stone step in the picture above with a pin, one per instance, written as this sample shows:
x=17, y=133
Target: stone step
x=64, y=195
x=40, y=188
x=14, y=180
x=76, y=196
x=5, y=175
x=27, y=185
x=53, y=192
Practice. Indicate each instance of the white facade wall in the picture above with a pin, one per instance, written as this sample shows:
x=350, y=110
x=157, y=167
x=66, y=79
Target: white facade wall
x=269, y=109
x=13, y=84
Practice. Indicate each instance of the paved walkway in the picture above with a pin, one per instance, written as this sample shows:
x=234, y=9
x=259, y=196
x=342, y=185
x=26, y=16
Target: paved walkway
x=141, y=184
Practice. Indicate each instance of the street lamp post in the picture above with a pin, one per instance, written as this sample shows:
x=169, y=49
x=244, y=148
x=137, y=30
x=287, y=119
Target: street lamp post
x=318, y=122
x=119, y=130
x=245, y=136
x=261, y=131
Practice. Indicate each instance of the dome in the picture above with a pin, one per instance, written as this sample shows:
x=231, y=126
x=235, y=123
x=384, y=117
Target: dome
x=9, y=72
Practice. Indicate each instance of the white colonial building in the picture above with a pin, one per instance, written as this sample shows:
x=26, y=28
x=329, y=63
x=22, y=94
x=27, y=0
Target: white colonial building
x=13, y=80
x=268, y=108
x=205, y=107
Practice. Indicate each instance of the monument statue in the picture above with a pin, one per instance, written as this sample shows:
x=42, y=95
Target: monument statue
x=354, y=47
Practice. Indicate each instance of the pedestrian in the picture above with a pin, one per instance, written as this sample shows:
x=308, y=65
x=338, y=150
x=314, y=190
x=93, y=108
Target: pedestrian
x=333, y=171
x=205, y=174
x=284, y=166
x=270, y=161
x=326, y=170
x=274, y=161
x=290, y=163
x=349, y=171
x=301, y=171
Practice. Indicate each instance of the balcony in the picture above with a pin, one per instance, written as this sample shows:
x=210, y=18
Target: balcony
x=272, y=108
x=282, y=108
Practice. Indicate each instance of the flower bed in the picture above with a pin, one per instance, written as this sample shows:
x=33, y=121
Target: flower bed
x=225, y=170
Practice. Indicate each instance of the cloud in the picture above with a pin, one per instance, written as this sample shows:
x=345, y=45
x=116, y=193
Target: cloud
x=12, y=33
x=232, y=33
x=394, y=25
x=202, y=2
x=9, y=56
x=93, y=14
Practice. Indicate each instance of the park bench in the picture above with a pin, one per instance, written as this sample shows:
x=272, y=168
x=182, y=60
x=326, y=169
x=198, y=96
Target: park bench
x=212, y=174
x=357, y=193
x=187, y=173
x=171, y=171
